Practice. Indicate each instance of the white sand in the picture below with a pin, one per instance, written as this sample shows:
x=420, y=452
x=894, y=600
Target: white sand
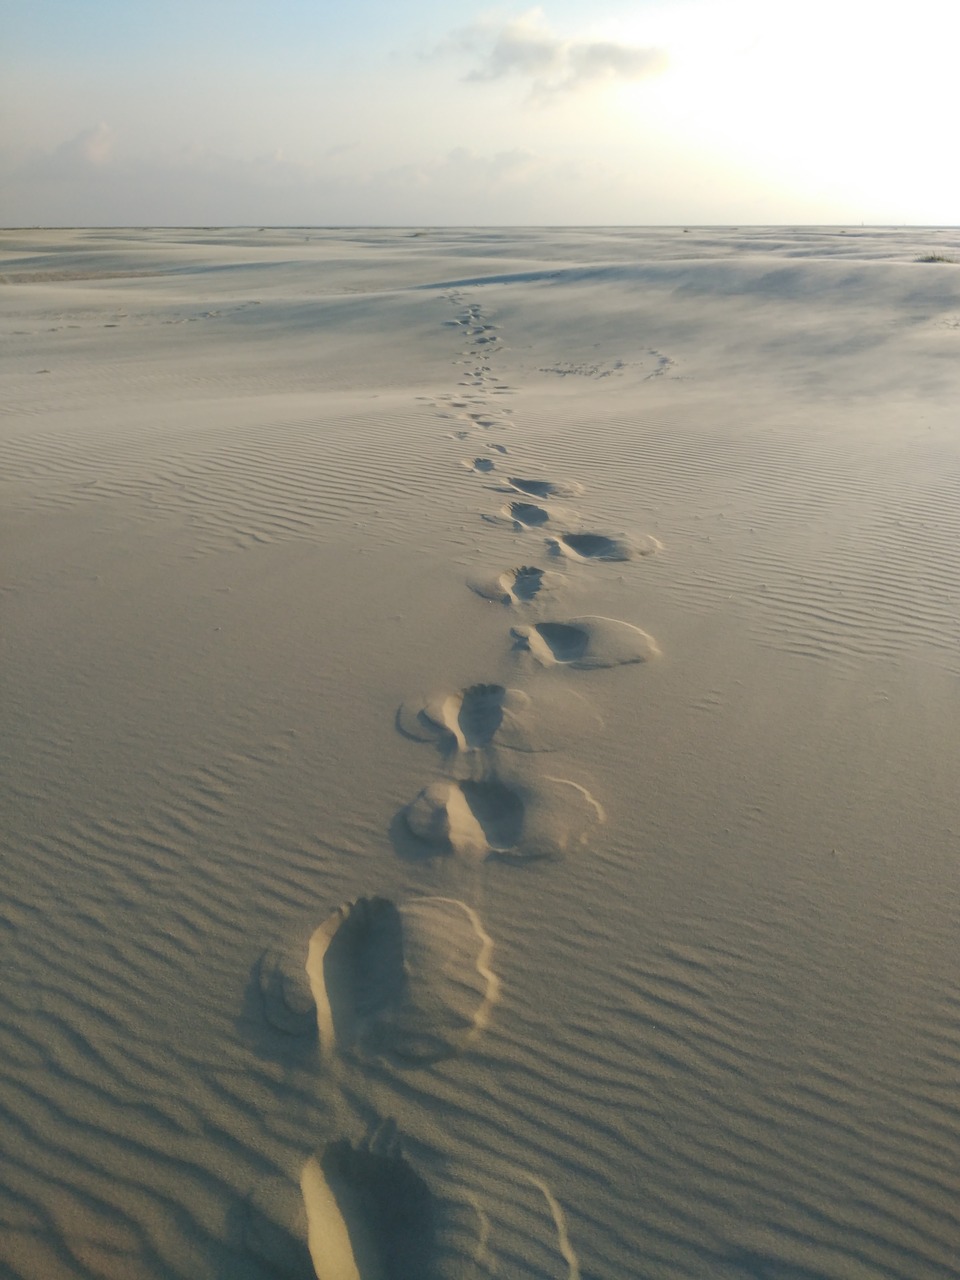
x=249, y=479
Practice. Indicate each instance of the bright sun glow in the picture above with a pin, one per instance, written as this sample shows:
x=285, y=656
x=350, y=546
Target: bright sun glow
x=843, y=103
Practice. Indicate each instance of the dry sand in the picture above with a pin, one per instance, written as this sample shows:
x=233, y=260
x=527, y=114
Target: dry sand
x=583, y=607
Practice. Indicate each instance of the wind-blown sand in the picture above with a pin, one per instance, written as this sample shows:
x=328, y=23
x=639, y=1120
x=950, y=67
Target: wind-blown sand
x=579, y=608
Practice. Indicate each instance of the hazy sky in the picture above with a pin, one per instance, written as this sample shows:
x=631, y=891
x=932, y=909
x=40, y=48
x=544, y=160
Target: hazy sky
x=416, y=111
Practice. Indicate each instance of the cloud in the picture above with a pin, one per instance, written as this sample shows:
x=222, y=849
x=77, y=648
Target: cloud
x=79, y=183
x=87, y=152
x=528, y=49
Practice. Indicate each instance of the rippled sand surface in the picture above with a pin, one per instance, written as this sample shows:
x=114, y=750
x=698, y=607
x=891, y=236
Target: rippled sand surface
x=480, y=737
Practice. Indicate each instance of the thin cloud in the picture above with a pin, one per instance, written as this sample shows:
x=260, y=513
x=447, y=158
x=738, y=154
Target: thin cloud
x=528, y=49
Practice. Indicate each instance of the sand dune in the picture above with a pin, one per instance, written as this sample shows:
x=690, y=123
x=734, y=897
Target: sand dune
x=647, y=962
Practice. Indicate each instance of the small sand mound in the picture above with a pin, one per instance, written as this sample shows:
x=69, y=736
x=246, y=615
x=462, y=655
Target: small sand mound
x=285, y=993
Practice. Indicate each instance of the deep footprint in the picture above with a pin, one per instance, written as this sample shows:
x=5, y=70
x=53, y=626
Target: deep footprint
x=473, y=819
x=527, y=515
x=527, y=582
x=585, y=643
x=355, y=968
x=480, y=714
x=592, y=546
x=466, y=720
x=409, y=982
x=566, y=643
x=482, y=820
x=370, y=1216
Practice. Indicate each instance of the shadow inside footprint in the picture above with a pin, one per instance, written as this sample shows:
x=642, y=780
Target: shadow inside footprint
x=527, y=581
x=481, y=713
x=471, y=820
x=367, y=1207
x=585, y=643
x=529, y=515
x=409, y=982
x=535, y=488
x=498, y=811
x=515, y=586
x=595, y=546
x=363, y=969
x=566, y=643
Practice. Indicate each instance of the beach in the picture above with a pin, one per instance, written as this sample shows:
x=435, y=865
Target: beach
x=480, y=738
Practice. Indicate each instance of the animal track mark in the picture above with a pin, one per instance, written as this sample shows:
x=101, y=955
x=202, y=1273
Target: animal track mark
x=479, y=464
x=585, y=643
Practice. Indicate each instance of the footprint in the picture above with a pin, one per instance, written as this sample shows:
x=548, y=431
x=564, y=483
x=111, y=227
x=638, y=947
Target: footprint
x=545, y=489
x=370, y=1216
x=599, y=546
x=486, y=715
x=275, y=1229
x=525, y=515
x=411, y=982
x=479, y=464
x=498, y=448
x=517, y=586
x=487, y=423
x=509, y=822
x=585, y=643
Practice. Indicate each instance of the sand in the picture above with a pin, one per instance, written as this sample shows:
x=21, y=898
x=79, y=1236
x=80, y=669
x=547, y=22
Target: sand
x=577, y=612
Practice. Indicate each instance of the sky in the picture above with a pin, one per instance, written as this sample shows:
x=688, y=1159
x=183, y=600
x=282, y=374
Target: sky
x=417, y=112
